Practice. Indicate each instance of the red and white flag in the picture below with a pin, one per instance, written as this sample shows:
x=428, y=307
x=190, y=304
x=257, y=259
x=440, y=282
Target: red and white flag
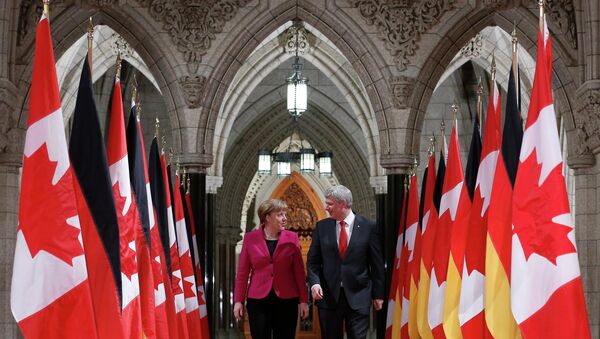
x=197, y=268
x=546, y=287
x=412, y=239
x=472, y=300
x=394, y=310
x=454, y=209
x=50, y=293
x=118, y=167
x=176, y=277
x=187, y=269
x=428, y=230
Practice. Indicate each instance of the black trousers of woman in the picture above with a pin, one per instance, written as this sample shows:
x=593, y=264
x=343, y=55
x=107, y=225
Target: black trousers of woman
x=272, y=317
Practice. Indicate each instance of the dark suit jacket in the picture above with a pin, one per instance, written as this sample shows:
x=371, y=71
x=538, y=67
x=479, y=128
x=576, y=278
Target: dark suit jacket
x=361, y=271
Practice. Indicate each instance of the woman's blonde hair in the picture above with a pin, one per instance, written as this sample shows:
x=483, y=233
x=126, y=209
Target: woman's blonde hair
x=269, y=206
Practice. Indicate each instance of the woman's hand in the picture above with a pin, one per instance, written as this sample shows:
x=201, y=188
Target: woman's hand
x=303, y=311
x=238, y=310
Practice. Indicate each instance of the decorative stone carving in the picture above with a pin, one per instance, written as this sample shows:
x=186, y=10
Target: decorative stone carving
x=193, y=88
x=473, y=48
x=400, y=23
x=29, y=14
x=290, y=40
x=301, y=214
x=402, y=90
x=103, y=3
x=10, y=134
x=563, y=13
x=193, y=24
x=397, y=163
x=120, y=45
x=586, y=137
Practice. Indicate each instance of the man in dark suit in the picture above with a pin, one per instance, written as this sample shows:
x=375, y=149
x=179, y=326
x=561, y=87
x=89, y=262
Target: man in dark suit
x=345, y=268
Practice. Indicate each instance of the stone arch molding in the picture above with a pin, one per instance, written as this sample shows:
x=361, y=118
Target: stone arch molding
x=104, y=54
x=325, y=56
x=458, y=35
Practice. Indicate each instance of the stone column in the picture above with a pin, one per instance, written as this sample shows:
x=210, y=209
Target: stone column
x=396, y=166
x=11, y=157
x=225, y=270
x=584, y=161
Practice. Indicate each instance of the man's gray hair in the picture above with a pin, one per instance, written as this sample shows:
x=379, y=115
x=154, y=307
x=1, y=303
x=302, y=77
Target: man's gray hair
x=340, y=193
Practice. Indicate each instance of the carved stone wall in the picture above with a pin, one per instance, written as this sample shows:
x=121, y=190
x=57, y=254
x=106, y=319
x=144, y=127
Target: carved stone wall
x=192, y=24
x=301, y=214
x=401, y=23
x=586, y=137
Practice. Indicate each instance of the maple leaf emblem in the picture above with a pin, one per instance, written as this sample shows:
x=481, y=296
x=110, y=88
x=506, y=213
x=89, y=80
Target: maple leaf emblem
x=535, y=211
x=128, y=259
x=45, y=209
x=189, y=286
x=477, y=232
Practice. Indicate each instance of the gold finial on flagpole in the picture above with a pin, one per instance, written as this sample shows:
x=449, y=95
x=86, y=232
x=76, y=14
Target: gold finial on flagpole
x=493, y=70
x=118, y=66
x=479, y=99
x=163, y=144
x=515, y=55
x=176, y=166
x=541, y=5
x=134, y=93
x=455, y=115
x=157, y=128
x=431, y=148
x=188, y=181
x=414, y=167
x=90, y=39
x=47, y=8
x=170, y=151
x=138, y=110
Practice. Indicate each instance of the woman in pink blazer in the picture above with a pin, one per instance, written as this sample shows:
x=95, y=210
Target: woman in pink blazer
x=271, y=256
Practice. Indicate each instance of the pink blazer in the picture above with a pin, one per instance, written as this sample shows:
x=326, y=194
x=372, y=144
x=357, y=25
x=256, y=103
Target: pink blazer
x=283, y=273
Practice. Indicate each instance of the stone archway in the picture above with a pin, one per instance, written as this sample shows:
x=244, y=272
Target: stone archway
x=304, y=210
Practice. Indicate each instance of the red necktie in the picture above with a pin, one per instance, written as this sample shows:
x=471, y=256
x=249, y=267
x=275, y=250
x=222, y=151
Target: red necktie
x=343, y=239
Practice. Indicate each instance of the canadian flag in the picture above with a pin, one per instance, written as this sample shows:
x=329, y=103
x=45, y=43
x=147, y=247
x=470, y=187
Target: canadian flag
x=427, y=242
x=50, y=292
x=454, y=213
x=118, y=167
x=472, y=300
x=198, y=267
x=187, y=269
x=546, y=287
x=412, y=239
x=394, y=310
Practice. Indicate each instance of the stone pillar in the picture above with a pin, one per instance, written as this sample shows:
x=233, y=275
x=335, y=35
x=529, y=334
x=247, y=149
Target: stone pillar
x=380, y=185
x=583, y=159
x=225, y=270
x=11, y=157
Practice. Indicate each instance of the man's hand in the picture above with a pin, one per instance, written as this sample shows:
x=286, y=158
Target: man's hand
x=378, y=304
x=303, y=310
x=238, y=310
x=317, y=292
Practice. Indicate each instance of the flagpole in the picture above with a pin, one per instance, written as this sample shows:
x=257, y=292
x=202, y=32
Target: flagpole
x=479, y=103
x=443, y=141
x=90, y=39
x=134, y=91
x=431, y=148
x=157, y=128
x=118, y=67
x=188, y=181
x=541, y=5
x=515, y=60
x=47, y=9
x=455, y=115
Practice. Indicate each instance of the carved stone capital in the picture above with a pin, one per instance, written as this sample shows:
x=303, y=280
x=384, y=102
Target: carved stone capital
x=562, y=13
x=213, y=183
x=397, y=163
x=586, y=136
x=193, y=24
x=11, y=136
x=379, y=184
x=401, y=23
x=192, y=88
x=196, y=163
x=402, y=88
